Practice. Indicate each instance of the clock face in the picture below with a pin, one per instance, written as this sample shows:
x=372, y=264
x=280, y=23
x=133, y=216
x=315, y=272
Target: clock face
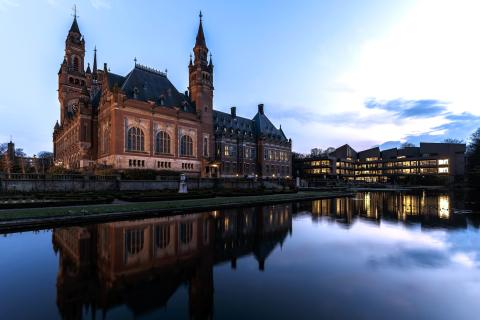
x=72, y=106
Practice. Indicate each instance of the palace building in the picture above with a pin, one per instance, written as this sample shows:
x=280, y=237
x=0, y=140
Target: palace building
x=141, y=121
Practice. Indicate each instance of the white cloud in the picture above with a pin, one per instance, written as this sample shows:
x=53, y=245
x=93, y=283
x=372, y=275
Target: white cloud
x=431, y=53
x=6, y=4
x=101, y=4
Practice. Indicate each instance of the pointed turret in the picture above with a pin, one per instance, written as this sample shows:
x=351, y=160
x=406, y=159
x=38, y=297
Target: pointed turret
x=200, y=36
x=74, y=27
x=95, y=61
x=88, y=69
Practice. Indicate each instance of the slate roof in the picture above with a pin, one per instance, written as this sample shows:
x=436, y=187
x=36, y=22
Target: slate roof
x=265, y=127
x=225, y=120
x=74, y=27
x=259, y=125
x=146, y=84
x=200, y=40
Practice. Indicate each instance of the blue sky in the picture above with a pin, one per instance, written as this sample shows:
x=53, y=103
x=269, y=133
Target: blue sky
x=331, y=72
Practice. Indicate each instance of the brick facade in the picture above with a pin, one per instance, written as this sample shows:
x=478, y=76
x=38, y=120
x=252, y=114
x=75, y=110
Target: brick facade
x=141, y=121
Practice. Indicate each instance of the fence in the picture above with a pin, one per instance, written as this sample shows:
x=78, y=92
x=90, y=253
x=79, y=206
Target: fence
x=91, y=183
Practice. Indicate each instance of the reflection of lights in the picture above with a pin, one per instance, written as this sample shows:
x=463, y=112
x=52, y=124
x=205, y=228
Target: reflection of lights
x=367, y=204
x=443, y=207
x=215, y=213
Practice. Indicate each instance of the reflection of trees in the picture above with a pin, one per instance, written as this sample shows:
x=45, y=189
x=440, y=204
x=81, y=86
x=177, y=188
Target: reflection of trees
x=142, y=263
x=428, y=209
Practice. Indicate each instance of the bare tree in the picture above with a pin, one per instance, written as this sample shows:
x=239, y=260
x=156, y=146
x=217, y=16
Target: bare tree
x=453, y=140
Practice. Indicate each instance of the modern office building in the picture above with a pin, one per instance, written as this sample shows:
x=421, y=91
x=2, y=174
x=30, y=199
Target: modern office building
x=441, y=161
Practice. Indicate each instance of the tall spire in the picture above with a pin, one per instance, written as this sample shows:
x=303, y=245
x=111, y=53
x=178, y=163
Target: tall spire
x=200, y=36
x=95, y=60
x=74, y=27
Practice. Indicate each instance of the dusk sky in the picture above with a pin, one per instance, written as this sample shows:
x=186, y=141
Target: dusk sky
x=365, y=73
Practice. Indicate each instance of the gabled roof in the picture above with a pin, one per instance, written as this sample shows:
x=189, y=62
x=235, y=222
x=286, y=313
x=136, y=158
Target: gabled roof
x=265, y=127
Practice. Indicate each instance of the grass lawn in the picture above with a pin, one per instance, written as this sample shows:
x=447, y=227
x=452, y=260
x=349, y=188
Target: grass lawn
x=160, y=206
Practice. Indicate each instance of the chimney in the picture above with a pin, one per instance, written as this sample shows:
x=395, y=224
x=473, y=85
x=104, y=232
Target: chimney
x=233, y=111
x=11, y=151
x=260, y=108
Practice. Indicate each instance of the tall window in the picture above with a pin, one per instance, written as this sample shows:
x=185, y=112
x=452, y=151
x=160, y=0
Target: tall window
x=105, y=141
x=76, y=64
x=205, y=146
x=134, y=241
x=186, y=233
x=162, y=142
x=135, y=139
x=162, y=236
x=186, y=146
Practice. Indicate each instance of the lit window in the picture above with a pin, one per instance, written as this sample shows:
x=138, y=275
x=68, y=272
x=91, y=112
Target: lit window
x=443, y=170
x=443, y=162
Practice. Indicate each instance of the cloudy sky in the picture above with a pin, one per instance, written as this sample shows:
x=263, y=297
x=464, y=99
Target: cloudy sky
x=366, y=73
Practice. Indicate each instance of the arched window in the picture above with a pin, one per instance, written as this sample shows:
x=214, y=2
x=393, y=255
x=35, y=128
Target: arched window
x=135, y=139
x=162, y=142
x=186, y=146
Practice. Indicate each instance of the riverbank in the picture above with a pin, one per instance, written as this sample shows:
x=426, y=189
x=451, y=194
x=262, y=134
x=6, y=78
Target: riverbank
x=34, y=218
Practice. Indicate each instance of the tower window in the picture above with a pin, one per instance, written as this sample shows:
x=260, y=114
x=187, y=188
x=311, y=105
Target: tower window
x=76, y=64
x=70, y=80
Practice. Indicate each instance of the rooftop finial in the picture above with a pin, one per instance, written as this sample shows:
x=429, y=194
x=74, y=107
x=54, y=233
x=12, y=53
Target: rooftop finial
x=135, y=60
x=95, y=60
x=200, y=15
x=74, y=9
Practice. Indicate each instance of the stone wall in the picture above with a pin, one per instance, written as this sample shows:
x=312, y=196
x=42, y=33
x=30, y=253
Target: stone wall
x=87, y=184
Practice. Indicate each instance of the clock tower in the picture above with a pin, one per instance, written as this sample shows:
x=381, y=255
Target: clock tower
x=71, y=76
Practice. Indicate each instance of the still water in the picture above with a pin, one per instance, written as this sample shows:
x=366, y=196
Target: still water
x=374, y=256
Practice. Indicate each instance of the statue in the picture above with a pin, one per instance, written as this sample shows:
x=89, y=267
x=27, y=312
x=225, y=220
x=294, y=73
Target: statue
x=183, y=184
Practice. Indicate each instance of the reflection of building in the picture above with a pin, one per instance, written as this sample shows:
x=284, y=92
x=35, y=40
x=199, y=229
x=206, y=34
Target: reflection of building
x=428, y=209
x=141, y=263
x=443, y=160
x=141, y=121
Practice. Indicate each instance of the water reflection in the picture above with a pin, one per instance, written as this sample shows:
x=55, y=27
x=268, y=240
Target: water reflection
x=430, y=210
x=142, y=264
x=129, y=262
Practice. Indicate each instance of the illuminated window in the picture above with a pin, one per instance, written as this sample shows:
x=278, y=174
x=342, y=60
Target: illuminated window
x=443, y=170
x=443, y=162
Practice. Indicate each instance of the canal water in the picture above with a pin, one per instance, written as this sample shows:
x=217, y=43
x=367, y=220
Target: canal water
x=374, y=256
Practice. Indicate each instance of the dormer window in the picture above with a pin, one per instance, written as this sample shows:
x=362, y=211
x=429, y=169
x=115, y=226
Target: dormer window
x=162, y=100
x=135, y=93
